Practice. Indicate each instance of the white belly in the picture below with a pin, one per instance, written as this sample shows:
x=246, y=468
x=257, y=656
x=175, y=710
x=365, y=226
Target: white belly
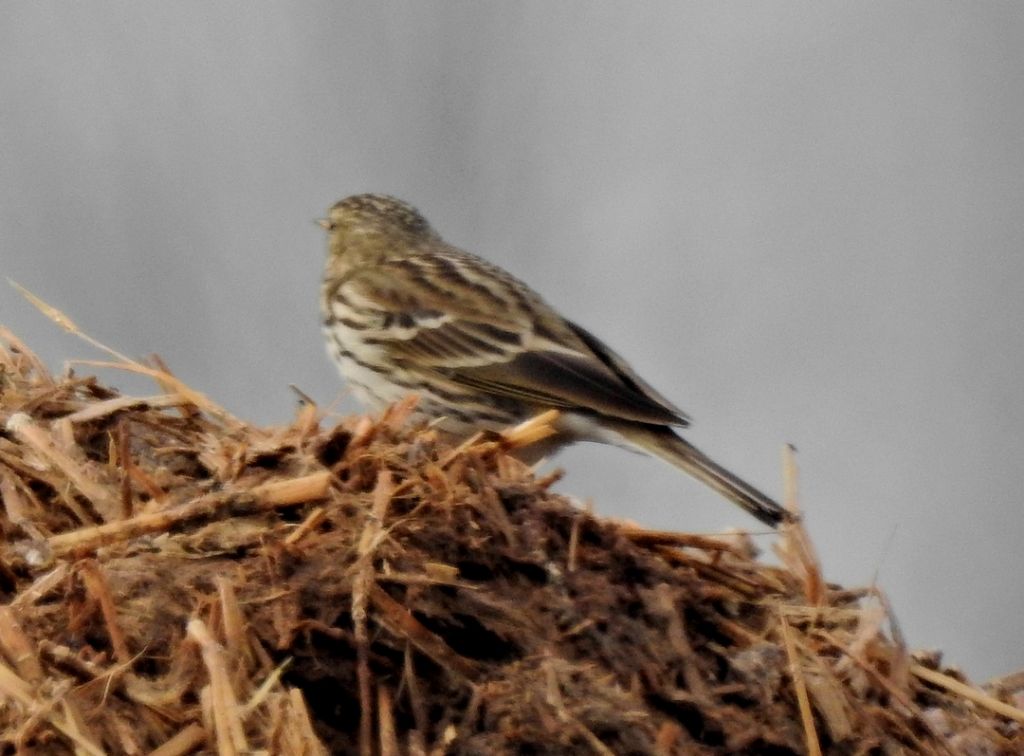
x=369, y=386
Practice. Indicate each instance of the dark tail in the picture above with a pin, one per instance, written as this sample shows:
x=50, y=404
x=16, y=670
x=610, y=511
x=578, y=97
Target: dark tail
x=664, y=443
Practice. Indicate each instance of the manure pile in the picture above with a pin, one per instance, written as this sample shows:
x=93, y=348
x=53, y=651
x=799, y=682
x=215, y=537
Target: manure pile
x=174, y=580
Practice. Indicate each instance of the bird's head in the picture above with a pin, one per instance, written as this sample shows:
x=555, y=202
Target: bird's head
x=374, y=224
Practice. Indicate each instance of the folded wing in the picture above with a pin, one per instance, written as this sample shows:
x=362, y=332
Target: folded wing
x=496, y=336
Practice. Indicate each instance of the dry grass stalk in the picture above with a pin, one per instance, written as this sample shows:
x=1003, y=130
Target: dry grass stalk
x=803, y=700
x=76, y=473
x=184, y=741
x=275, y=494
x=234, y=623
x=795, y=547
x=365, y=587
x=17, y=647
x=37, y=712
x=230, y=733
x=373, y=532
x=386, y=723
x=400, y=621
x=96, y=586
x=301, y=738
x=966, y=691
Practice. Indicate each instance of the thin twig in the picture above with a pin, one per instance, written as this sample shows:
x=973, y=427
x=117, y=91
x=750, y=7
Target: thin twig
x=966, y=691
x=230, y=734
x=266, y=496
x=803, y=702
x=361, y=589
x=97, y=586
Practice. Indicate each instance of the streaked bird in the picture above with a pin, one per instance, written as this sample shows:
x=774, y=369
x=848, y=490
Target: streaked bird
x=406, y=312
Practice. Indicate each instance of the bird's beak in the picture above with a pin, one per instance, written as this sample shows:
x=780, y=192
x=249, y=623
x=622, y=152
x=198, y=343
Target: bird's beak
x=323, y=223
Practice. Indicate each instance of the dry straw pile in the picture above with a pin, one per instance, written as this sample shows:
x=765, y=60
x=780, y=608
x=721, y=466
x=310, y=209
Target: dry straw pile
x=174, y=580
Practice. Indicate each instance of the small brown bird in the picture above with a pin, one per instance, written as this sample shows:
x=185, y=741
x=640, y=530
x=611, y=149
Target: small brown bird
x=405, y=312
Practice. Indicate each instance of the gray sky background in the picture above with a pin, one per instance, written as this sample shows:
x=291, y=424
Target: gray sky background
x=802, y=221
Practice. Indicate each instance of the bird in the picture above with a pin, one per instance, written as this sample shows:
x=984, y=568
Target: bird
x=405, y=312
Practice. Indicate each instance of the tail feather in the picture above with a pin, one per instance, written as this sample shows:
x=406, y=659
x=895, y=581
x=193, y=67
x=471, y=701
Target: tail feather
x=662, y=442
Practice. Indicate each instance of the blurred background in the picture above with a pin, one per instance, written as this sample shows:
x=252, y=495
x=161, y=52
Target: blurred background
x=802, y=221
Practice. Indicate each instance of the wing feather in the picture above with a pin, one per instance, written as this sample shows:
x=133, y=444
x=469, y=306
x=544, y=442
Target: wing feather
x=498, y=337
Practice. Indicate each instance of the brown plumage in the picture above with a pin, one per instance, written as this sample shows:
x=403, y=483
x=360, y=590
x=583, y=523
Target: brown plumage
x=406, y=312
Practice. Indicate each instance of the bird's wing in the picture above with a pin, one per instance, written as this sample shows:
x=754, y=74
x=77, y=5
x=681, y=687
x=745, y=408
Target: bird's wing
x=489, y=332
x=627, y=375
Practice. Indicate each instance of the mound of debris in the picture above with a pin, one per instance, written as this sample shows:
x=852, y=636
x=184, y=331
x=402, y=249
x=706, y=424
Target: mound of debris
x=174, y=580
